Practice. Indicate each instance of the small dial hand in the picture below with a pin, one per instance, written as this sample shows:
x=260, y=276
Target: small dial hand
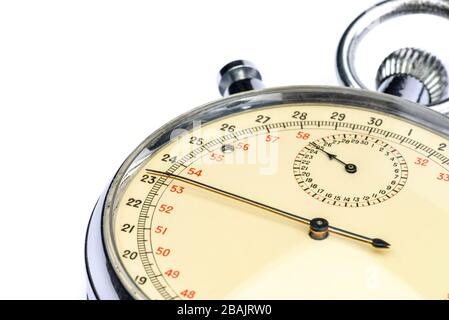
x=375, y=242
x=349, y=167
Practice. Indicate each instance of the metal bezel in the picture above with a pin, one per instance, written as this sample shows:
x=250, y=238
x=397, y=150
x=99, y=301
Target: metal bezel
x=108, y=277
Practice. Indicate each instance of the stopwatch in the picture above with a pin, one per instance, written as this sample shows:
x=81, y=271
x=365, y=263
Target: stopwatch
x=300, y=192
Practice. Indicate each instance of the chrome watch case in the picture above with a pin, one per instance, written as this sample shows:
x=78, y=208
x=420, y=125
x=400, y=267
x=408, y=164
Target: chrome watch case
x=107, y=277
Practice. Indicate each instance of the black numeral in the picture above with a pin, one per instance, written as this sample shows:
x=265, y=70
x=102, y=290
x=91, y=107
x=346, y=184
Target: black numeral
x=127, y=228
x=442, y=147
x=196, y=141
x=168, y=158
x=299, y=115
x=262, y=119
x=375, y=121
x=338, y=116
x=129, y=254
x=140, y=280
x=227, y=127
x=148, y=179
x=134, y=203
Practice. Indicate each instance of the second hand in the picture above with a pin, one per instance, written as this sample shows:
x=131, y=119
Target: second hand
x=349, y=167
x=375, y=242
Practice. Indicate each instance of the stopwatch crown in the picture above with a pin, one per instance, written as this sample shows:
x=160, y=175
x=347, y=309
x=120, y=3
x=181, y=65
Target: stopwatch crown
x=239, y=76
x=410, y=64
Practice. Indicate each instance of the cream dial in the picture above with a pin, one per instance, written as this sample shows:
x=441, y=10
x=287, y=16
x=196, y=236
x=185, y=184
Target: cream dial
x=178, y=241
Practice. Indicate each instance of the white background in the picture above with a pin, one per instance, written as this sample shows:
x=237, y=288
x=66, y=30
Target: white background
x=83, y=82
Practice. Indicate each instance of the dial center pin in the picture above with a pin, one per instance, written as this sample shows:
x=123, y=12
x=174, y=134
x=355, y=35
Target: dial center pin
x=351, y=168
x=319, y=229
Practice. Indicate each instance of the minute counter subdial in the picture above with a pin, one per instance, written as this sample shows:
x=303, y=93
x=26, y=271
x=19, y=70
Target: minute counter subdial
x=381, y=171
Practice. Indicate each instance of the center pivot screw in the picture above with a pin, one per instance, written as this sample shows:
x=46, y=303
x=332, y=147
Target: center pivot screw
x=351, y=168
x=319, y=229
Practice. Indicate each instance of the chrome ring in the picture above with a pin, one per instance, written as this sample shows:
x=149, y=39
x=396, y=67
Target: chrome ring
x=371, y=18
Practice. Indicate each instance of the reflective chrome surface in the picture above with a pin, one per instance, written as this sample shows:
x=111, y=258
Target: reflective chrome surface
x=413, y=74
x=372, y=18
x=102, y=259
x=239, y=76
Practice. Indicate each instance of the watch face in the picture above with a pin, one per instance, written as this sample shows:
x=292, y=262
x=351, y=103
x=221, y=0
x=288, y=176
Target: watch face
x=222, y=210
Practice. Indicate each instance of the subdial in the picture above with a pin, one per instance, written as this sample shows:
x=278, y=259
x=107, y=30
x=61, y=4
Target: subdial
x=350, y=170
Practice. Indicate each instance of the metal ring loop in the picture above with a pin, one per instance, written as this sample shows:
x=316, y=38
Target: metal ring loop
x=371, y=18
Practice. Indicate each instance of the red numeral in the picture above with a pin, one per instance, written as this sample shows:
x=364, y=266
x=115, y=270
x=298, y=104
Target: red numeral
x=271, y=138
x=217, y=157
x=302, y=135
x=421, y=162
x=165, y=208
x=162, y=251
x=443, y=176
x=172, y=273
x=196, y=172
x=160, y=229
x=243, y=146
x=177, y=189
x=189, y=294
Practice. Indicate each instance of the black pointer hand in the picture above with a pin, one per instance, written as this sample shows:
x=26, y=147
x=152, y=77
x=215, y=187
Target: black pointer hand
x=349, y=167
x=375, y=242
